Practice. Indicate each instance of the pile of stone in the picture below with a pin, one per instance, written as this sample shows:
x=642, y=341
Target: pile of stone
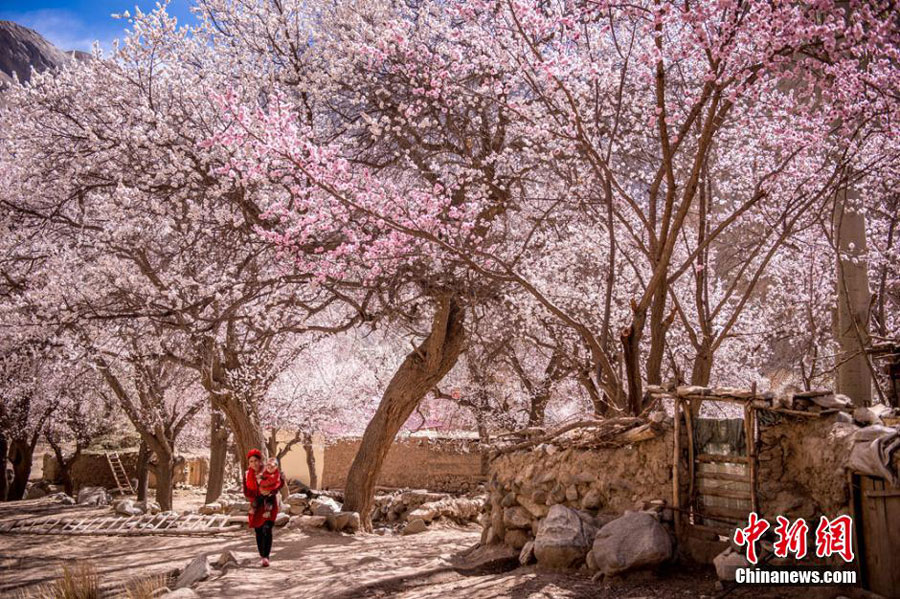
x=298, y=510
x=406, y=505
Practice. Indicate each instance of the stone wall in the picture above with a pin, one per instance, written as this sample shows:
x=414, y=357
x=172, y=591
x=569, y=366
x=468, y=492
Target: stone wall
x=598, y=482
x=451, y=466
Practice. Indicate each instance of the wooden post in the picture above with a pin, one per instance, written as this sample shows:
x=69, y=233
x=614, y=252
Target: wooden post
x=676, y=466
x=750, y=433
x=689, y=426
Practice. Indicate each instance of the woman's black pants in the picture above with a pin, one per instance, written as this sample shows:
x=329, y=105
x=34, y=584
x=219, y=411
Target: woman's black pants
x=264, y=538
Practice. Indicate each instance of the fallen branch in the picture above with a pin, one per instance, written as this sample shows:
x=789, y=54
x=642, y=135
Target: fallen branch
x=610, y=423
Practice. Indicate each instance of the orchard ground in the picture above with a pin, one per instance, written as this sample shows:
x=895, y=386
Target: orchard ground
x=323, y=565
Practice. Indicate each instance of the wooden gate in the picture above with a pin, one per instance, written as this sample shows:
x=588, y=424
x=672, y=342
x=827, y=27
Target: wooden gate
x=876, y=511
x=721, y=473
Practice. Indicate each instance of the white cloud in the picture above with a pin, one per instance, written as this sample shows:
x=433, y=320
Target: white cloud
x=65, y=29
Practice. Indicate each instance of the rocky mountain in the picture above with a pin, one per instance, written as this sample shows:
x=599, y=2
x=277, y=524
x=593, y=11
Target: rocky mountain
x=22, y=48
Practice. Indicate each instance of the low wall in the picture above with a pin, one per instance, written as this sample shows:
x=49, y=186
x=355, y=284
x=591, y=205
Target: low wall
x=92, y=469
x=452, y=466
x=525, y=484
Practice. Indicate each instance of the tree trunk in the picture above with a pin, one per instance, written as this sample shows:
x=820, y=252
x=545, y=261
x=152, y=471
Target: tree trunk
x=631, y=353
x=418, y=374
x=657, y=338
x=218, y=454
x=854, y=379
x=484, y=438
x=4, y=483
x=310, y=460
x=246, y=432
x=538, y=408
x=21, y=454
x=165, y=480
x=143, y=471
x=702, y=368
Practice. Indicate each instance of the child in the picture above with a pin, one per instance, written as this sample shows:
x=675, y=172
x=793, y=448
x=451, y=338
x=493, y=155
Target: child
x=268, y=480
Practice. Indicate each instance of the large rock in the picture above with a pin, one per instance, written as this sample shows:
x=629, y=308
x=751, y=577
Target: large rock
x=62, y=498
x=324, y=506
x=93, y=496
x=225, y=558
x=728, y=562
x=210, y=508
x=415, y=526
x=147, y=506
x=343, y=521
x=126, y=507
x=196, y=571
x=281, y=519
x=563, y=538
x=297, y=499
x=307, y=522
x=516, y=517
x=238, y=507
x=635, y=540
x=180, y=594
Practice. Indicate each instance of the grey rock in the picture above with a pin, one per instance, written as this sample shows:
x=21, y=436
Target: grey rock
x=281, y=519
x=195, y=571
x=126, y=507
x=728, y=562
x=635, y=540
x=93, y=496
x=324, y=506
x=415, y=526
x=516, y=517
x=343, y=521
x=563, y=538
x=226, y=557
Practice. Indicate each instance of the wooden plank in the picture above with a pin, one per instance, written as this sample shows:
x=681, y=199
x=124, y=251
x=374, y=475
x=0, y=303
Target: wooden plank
x=725, y=493
x=709, y=458
x=692, y=465
x=884, y=493
x=724, y=512
x=727, y=476
x=750, y=442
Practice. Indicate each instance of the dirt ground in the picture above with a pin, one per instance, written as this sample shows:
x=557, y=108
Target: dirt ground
x=323, y=565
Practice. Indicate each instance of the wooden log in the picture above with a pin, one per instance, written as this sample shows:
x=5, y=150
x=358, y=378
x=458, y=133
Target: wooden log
x=750, y=426
x=692, y=463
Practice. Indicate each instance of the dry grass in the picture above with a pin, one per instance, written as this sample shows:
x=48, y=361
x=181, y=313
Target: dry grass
x=77, y=582
x=146, y=587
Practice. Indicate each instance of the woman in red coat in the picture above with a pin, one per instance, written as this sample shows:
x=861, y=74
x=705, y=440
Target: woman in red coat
x=261, y=523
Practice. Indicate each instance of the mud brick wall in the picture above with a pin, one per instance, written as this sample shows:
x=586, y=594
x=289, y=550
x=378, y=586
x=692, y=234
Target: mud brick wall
x=92, y=470
x=452, y=466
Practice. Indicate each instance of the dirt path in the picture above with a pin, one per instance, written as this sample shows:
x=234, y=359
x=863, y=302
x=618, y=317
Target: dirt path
x=316, y=564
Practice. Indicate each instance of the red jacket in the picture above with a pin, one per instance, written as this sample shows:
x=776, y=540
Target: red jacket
x=251, y=492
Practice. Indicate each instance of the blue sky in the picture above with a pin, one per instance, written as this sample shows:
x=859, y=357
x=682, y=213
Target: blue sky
x=75, y=24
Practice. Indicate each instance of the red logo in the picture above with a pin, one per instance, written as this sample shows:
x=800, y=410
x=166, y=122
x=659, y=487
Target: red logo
x=791, y=537
x=835, y=536
x=748, y=536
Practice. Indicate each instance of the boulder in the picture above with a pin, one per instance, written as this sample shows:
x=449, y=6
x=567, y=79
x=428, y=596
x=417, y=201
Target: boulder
x=281, y=519
x=516, y=517
x=93, y=496
x=307, y=522
x=195, y=571
x=324, y=506
x=634, y=540
x=296, y=510
x=62, y=498
x=241, y=507
x=563, y=538
x=225, y=558
x=415, y=526
x=180, y=594
x=210, y=508
x=126, y=507
x=147, y=506
x=343, y=521
x=592, y=500
x=298, y=499
x=728, y=562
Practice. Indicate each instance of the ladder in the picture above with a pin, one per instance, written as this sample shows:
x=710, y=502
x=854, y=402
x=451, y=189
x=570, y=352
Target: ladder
x=119, y=474
x=166, y=523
